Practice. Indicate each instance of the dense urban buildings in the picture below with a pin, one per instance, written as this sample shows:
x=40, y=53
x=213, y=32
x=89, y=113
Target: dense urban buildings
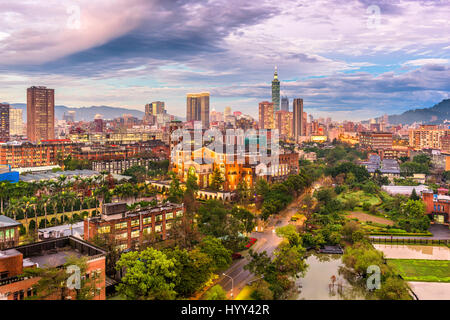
x=197, y=108
x=427, y=136
x=375, y=140
x=40, y=114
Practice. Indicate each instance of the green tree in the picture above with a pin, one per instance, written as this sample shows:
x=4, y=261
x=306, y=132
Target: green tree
x=220, y=256
x=149, y=275
x=216, y=293
x=217, y=180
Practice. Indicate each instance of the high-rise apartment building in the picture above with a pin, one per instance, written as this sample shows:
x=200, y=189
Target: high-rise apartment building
x=266, y=115
x=283, y=122
x=284, y=103
x=40, y=114
x=197, y=108
x=15, y=122
x=297, y=123
x=4, y=122
x=427, y=137
x=375, y=140
x=276, y=91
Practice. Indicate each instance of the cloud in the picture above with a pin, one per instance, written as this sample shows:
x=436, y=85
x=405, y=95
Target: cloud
x=422, y=62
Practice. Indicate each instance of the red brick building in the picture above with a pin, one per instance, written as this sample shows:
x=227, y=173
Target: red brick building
x=51, y=253
x=9, y=232
x=130, y=228
x=437, y=205
x=375, y=140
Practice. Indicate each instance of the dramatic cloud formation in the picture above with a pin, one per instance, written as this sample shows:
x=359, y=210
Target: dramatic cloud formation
x=341, y=56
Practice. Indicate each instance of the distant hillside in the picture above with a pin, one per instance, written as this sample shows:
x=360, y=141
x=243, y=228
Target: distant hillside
x=434, y=115
x=85, y=113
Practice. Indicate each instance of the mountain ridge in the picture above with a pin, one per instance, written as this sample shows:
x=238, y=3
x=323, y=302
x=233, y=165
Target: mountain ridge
x=432, y=115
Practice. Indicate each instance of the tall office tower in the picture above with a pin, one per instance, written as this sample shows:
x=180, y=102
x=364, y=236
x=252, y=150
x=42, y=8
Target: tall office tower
x=297, y=122
x=276, y=91
x=227, y=112
x=4, y=122
x=197, y=108
x=15, y=122
x=266, y=115
x=284, y=103
x=40, y=114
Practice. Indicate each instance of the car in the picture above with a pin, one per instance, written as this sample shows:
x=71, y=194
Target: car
x=236, y=256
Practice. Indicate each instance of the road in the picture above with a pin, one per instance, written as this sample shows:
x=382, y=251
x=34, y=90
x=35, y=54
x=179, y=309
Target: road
x=267, y=241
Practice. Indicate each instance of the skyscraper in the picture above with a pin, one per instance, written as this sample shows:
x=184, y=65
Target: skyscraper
x=285, y=104
x=266, y=115
x=276, y=91
x=297, y=123
x=4, y=122
x=40, y=114
x=15, y=122
x=197, y=108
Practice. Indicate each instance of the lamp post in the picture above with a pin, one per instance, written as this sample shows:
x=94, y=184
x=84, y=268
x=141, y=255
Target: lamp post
x=232, y=284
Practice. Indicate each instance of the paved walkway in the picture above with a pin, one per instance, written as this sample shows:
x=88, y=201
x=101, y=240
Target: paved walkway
x=404, y=251
x=431, y=290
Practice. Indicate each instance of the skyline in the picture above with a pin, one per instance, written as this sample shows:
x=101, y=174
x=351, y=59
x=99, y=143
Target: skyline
x=333, y=55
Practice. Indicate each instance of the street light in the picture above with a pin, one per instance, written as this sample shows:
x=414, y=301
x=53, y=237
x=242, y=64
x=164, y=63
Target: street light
x=232, y=284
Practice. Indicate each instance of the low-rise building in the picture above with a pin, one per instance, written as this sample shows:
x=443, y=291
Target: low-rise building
x=9, y=232
x=437, y=205
x=48, y=254
x=128, y=228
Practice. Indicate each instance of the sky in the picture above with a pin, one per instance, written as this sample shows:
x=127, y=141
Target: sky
x=353, y=60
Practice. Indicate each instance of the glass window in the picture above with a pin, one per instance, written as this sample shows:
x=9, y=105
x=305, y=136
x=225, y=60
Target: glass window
x=135, y=234
x=121, y=225
x=122, y=236
x=148, y=230
x=158, y=228
x=179, y=213
x=147, y=220
x=104, y=229
x=134, y=222
x=159, y=218
x=169, y=215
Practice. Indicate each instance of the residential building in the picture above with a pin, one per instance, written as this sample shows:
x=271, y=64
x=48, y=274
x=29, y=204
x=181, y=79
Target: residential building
x=428, y=137
x=375, y=140
x=15, y=122
x=266, y=115
x=283, y=122
x=40, y=114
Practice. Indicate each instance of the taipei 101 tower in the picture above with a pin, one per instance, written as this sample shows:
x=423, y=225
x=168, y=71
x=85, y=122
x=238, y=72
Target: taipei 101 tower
x=276, y=91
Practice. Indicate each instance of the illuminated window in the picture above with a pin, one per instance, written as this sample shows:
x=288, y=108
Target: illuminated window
x=121, y=236
x=134, y=222
x=121, y=225
x=105, y=229
x=169, y=215
x=135, y=234
x=158, y=228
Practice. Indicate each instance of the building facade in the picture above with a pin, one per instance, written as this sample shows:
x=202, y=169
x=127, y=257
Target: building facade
x=375, y=140
x=40, y=114
x=9, y=232
x=4, y=122
x=15, y=122
x=427, y=137
x=266, y=115
x=283, y=122
x=129, y=229
x=276, y=91
x=297, y=114
x=197, y=108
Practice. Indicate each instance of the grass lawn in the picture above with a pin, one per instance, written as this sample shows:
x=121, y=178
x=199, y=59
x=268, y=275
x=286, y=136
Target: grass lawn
x=116, y=297
x=361, y=197
x=364, y=217
x=245, y=293
x=422, y=270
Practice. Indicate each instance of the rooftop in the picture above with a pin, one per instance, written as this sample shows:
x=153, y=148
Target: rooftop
x=8, y=222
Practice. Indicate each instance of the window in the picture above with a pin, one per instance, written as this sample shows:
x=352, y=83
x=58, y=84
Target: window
x=159, y=218
x=134, y=222
x=179, y=213
x=147, y=220
x=135, y=234
x=169, y=215
x=122, y=247
x=158, y=228
x=168, y=225
x=147, y=230
x=121, y=225
x=122, y=236
x=4, y=275
x=104, y=229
